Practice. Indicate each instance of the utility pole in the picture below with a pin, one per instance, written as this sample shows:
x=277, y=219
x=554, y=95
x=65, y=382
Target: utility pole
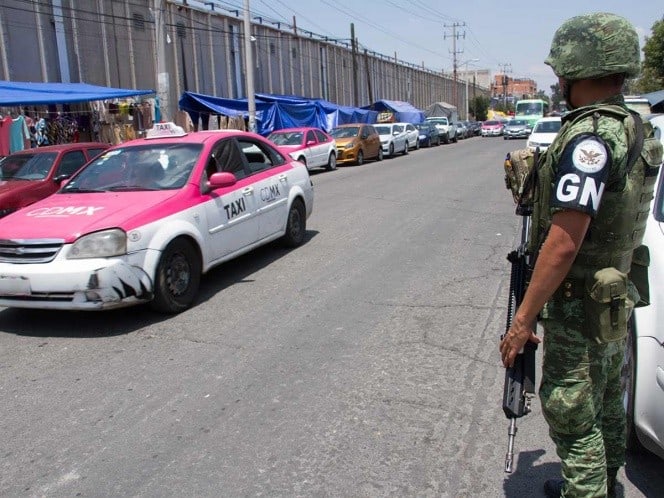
x=366, y=63
x=505, y=67
x=455, y=36
x=353, y=43
x=163, y=77
x=249, y=68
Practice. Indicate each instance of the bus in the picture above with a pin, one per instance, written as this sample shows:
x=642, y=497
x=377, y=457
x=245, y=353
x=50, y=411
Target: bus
x=531, y=110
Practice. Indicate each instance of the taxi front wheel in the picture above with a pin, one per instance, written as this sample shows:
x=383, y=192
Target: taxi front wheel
x=296, y=226
x=178, y=277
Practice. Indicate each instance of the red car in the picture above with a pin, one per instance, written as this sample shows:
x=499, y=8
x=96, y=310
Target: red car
x=32, y=174
x=311, y=146
x=492, y=128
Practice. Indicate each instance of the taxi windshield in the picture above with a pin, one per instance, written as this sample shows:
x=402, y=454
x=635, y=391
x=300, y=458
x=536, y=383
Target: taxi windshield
x=141, y=167
x=286, y=138
x=27, y=166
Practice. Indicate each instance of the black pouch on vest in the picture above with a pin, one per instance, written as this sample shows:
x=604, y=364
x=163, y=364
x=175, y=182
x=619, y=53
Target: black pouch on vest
x=604, y=303
x=638, y=274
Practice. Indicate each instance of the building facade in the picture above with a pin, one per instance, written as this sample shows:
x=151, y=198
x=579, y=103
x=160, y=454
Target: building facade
x=115, y=43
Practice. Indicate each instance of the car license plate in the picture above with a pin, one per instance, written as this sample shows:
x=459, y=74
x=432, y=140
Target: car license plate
x=14, y=286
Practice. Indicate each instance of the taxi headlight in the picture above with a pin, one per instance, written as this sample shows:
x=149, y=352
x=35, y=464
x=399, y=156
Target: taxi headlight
x=100, y=245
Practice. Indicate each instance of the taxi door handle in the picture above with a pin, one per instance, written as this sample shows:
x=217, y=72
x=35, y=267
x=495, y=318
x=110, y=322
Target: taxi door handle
x=283, y=178
x=248, y=191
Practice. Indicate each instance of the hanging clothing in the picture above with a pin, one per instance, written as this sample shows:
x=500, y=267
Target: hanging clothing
x=5, y=135
x=18, y=135
x=41, y=138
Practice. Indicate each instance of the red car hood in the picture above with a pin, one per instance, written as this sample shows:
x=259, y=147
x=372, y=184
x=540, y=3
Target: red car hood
x=68, y=216
x=17, y=187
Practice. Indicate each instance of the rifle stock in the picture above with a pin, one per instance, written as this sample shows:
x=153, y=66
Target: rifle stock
x=519, y=385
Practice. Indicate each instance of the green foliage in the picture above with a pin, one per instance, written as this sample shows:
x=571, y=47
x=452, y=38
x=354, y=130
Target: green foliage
x=652, y=72
x=479, y=107
x=505, y=107
x=556, y=97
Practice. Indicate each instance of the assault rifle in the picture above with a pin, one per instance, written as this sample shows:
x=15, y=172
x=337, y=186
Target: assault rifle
x=519, y=385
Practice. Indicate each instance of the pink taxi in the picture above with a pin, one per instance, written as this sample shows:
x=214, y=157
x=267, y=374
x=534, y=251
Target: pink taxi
x=144, y=221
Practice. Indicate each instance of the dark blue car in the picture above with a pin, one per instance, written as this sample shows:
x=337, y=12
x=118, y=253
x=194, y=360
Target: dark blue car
x=428, y=134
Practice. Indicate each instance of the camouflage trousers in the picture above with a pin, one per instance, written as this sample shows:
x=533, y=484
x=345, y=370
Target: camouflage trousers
x=581, y=399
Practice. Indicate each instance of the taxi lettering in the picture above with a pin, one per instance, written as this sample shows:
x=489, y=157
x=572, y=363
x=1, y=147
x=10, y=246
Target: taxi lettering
x=64, y=211
x=569, y=188
x=235, y=208
x=270, y=193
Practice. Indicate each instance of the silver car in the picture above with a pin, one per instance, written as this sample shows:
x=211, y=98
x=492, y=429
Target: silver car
x=516, y=128
x=643, y=372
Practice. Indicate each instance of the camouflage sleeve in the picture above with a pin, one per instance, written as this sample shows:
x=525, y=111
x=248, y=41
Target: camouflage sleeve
x=589, y=164
x=581, y=174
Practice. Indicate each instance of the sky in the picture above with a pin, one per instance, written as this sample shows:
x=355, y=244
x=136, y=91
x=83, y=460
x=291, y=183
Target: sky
x=511, y=36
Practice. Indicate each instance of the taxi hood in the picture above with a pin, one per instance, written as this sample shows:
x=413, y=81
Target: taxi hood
x=68, y=216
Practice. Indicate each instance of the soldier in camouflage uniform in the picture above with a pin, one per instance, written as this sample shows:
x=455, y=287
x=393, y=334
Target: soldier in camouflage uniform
x=593, y=191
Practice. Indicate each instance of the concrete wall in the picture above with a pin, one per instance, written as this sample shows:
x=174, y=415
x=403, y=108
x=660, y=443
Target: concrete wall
x=112, y=43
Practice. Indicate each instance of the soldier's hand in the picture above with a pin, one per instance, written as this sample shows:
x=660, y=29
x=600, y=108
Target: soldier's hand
x=514, y=340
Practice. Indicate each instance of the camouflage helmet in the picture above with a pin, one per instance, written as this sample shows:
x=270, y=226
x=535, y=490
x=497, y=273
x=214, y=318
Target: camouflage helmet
x=594, y=45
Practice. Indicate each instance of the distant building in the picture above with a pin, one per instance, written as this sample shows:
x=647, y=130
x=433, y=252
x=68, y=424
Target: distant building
x=512, y=89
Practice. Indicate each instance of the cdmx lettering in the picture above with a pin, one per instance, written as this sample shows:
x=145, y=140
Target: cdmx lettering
x=270, y=193
x=64, y=211
x=235, y=208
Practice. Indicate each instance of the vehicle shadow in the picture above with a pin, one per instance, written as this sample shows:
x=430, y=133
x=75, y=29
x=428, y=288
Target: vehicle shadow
x=236, y=271
x=528, y=478
x=644, y=471
x=92, y=324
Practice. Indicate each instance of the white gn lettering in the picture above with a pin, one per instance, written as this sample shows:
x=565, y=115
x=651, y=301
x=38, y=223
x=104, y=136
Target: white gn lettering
x=568, y=190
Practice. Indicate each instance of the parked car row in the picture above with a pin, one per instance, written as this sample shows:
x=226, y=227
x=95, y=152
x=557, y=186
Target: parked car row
x=355, y=143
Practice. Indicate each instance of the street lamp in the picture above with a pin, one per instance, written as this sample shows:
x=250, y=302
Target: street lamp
x=466, y=75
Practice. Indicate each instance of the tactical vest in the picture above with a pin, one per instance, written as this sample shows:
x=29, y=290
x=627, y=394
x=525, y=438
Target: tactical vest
x=619, y=225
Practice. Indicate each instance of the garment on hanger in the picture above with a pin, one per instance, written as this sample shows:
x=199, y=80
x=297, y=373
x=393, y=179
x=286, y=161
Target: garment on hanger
x=18, y=135
x=5, y=135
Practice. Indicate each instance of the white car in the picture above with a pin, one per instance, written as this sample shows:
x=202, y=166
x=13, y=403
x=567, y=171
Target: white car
x=544, y=132
x=144, y=220
x=311, y=146
x=392, y=138
x=643, y=373
x=412, y=135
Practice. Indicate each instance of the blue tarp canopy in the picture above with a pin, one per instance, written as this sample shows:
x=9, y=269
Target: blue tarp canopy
x=403, y=111
x=276, y=112
x=24, y=93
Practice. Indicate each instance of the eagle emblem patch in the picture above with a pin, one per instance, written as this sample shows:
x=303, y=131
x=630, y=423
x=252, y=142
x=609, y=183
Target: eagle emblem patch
x=589, y=156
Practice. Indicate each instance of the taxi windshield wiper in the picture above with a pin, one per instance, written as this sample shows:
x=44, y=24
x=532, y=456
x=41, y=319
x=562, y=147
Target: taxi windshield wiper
x=122, y=188
x=81, y=190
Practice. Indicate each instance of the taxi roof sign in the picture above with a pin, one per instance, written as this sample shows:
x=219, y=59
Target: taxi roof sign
x=166, y=130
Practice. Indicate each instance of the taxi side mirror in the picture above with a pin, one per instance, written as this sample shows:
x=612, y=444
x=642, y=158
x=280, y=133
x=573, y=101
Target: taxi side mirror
x=221, y=180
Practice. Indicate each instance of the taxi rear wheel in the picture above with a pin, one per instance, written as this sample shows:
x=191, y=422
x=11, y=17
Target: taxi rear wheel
x=178, y=278
x=296, y=226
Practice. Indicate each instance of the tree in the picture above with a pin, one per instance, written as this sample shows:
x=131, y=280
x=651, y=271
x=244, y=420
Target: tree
x=479, y=107
x=556, y=97
x=652, y=74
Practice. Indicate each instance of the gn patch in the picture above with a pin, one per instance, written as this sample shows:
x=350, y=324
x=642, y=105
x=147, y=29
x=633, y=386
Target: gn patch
x=582, y=174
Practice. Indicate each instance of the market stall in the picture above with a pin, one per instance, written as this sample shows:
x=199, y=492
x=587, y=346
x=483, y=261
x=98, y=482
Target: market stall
x=36, y=114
